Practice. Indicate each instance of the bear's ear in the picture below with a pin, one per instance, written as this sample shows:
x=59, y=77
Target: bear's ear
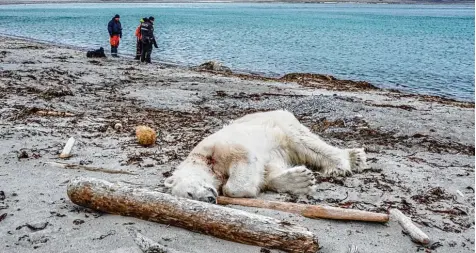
x=170, y=182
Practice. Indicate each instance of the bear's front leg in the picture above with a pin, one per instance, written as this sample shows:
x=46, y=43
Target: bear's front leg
x=245, y=179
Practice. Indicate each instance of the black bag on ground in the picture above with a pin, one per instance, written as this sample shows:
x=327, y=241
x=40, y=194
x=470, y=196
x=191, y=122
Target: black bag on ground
x=99, y=53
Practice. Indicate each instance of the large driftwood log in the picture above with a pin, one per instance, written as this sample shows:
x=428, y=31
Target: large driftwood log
x=218, y=221
x=309, y=211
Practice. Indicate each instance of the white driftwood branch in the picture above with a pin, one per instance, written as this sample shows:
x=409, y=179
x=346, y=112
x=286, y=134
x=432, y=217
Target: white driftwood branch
x=54, y=113
x=415, y=233
x=67, y=148
x=222, y=222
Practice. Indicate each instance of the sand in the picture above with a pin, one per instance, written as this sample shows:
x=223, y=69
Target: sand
x=420, y=148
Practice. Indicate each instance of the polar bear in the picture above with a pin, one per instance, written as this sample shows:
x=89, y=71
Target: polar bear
x=260, y=151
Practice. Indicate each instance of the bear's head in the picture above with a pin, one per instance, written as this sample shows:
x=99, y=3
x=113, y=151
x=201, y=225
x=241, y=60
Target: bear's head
x=196, y=188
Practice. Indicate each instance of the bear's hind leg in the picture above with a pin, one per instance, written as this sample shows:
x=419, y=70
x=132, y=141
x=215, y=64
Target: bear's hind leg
x=297, y=180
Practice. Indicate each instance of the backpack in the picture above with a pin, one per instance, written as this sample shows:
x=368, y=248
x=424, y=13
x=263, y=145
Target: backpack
x=98, y=53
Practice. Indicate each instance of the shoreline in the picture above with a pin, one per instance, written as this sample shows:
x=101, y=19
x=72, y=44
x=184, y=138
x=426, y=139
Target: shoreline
x=424, y=2
x=421, y=152
x=295, y=77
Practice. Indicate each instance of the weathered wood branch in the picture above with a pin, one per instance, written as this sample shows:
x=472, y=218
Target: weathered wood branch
x=222, y=222
x=68, y=148
x=54, y=113
x=413, y=231
x=309, y=211
x=89, y=168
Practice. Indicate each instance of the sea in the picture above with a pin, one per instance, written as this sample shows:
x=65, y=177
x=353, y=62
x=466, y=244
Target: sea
x=425, y=49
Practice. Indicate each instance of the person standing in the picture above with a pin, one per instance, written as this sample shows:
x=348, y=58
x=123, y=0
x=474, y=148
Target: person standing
x=139, y=38
x=115, y=34
x=148, y=39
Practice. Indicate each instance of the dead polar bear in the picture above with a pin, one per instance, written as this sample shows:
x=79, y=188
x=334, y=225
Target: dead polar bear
x=265, y=150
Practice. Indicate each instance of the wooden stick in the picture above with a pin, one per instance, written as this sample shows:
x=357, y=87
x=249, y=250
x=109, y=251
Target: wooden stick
x=415, y=233
x=309, y=211
x=83, y=167
x=222, y=222
x=53, y=113
x=147, y=245
x=67, y=148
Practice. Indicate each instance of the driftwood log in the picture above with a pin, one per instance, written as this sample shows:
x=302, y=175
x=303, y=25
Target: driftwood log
x=309, y=211
x=222, y=222
x=413, y=231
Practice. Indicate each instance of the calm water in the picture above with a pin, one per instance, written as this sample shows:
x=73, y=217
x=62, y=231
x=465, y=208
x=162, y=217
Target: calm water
x=420, y=48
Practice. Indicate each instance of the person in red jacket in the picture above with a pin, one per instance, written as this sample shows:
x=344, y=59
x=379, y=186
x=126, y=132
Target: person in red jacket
x=138, y=41
x=114, y=28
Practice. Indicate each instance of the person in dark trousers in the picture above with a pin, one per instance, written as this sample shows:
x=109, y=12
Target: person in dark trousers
x=115, y=34
x=139, y=39
x=148, y=39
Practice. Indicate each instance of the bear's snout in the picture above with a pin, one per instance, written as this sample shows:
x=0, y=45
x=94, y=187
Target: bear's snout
x=210, y=199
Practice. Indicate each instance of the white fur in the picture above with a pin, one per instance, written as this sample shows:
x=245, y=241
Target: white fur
x=266, y=150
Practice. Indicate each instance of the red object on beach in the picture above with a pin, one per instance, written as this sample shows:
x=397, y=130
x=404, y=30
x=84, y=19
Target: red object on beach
x=114, y=40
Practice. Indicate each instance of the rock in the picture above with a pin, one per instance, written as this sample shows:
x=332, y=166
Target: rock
x=78, y=222
x=37, y=226
x=3, y=216
x=118, y=126
x=213, y=66
x=85, y=162
x=22, y=154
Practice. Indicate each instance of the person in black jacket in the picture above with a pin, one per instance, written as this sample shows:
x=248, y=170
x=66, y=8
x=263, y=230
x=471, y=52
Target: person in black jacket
x=115, y=34
x=148, y=39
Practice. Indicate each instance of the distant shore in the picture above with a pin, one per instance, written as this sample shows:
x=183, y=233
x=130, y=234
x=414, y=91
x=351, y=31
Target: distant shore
x=15, y=2
x=325, y=81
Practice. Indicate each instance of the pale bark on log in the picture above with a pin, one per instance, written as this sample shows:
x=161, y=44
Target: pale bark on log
x=413, y=231
x=222, y=222
x=89, y=168
x=68, y=148
x=309, y=211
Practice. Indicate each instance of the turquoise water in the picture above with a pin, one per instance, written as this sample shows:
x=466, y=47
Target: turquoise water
x=419, y=48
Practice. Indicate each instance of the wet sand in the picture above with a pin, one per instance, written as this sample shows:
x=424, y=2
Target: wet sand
x=420, y=148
